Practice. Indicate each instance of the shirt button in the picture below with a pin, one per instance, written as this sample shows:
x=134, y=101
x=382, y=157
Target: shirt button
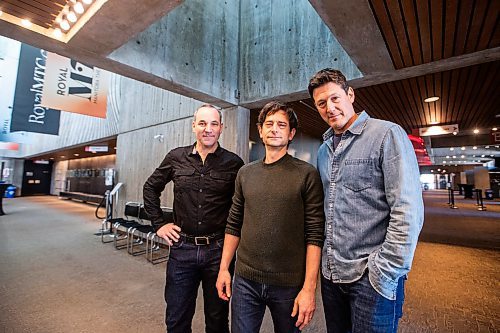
x=199, y=222
x=201, y=190
x=199, y=206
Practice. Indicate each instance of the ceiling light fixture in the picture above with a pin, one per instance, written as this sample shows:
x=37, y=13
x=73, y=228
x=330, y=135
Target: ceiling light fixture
x=57, y=33
x=431, y=99
x=487, y=147
x=476, y=131
x=493, y=129
x=463, y=148
x=452, y=148
x=78, y=7
x=462, y=156
x=474, y=147
x=455, y=132
x=71, y=16
x=65, y=25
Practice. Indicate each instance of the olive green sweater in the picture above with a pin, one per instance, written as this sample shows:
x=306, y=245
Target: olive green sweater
x=277, y=210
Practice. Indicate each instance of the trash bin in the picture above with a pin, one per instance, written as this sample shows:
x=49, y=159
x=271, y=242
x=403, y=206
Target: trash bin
x=10, y=192
x=488, y=194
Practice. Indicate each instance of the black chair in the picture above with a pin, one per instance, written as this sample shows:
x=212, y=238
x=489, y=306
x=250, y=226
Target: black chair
x=157, y=249
x=118, y=226
x=138, y=233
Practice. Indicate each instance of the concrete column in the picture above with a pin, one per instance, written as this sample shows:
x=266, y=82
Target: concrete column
x=236, y=131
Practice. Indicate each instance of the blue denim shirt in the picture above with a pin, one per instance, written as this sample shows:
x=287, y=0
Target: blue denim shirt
x=373, y=204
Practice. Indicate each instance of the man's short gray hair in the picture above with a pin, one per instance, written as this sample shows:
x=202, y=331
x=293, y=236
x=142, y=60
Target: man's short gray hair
x=208, y=106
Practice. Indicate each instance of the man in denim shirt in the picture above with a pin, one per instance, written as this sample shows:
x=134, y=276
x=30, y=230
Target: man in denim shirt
x=373, y=207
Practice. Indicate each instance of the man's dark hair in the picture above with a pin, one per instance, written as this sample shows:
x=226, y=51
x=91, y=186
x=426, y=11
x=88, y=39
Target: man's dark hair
x=275, y=106
x=327, y=75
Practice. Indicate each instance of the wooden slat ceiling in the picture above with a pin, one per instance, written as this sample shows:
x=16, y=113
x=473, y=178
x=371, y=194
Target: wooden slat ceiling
x=468, y=96
x=418, y=32
x=39, y=12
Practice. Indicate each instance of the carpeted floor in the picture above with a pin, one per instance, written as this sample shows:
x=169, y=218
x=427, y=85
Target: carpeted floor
x=56, y=276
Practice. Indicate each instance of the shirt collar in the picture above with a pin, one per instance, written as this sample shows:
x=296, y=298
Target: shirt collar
x=193, y=151
x=356, y=127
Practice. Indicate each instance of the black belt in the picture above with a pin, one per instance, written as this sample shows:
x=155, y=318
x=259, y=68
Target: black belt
x=202, y=240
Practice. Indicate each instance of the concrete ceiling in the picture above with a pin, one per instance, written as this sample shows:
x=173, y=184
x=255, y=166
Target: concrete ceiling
x=393, y=43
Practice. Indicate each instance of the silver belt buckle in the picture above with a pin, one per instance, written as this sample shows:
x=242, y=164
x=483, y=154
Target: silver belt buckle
x=203, y=240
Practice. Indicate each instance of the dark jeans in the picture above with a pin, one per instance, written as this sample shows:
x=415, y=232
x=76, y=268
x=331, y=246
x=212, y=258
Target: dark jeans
x=187, y=266
x=358, y=308
x=249, y=301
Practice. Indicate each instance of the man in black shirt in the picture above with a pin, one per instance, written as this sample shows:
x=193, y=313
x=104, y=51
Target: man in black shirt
x=203, y=176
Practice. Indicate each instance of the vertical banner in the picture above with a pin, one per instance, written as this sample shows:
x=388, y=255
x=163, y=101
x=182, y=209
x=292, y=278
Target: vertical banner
x=27, y=112
x=9, y=61
x=75, y=87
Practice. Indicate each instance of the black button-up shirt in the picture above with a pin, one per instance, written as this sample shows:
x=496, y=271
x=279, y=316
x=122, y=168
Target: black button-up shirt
x=202, y=191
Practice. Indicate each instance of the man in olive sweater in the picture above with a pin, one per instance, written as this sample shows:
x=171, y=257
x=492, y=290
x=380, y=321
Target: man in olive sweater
x=277, y=224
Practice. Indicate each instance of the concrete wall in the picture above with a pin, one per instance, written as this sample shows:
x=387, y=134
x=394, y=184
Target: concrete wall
x=58, y=183
x=195, y=45
x=282, y=44
x=154, y=121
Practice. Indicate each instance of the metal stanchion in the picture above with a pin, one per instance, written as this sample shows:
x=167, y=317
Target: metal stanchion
x=449, y=195
x=479, y=197
x=452, y=196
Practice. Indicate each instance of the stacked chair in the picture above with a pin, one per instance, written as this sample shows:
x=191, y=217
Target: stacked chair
x=135, y=233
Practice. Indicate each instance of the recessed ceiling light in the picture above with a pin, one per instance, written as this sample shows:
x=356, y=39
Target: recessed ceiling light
x=431, y=99
x=57, y=33
x=444, y=162
x=487, y=147
x=71, y=16
x=65, y=25
x=452, y=148
x=463, y=148
x=462, y=156
x=455, y=133
x=439, y=169
x=474, y=147
x=447, y=156
x=78, y=8
x=494, y=128
x=482, y=155
x=476, y=131
x=26, y=23
x=76, y=154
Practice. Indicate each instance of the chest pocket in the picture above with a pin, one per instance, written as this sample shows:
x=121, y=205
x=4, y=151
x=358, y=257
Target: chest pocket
x=357, y=174
x=183, y=178
x=222, y=182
